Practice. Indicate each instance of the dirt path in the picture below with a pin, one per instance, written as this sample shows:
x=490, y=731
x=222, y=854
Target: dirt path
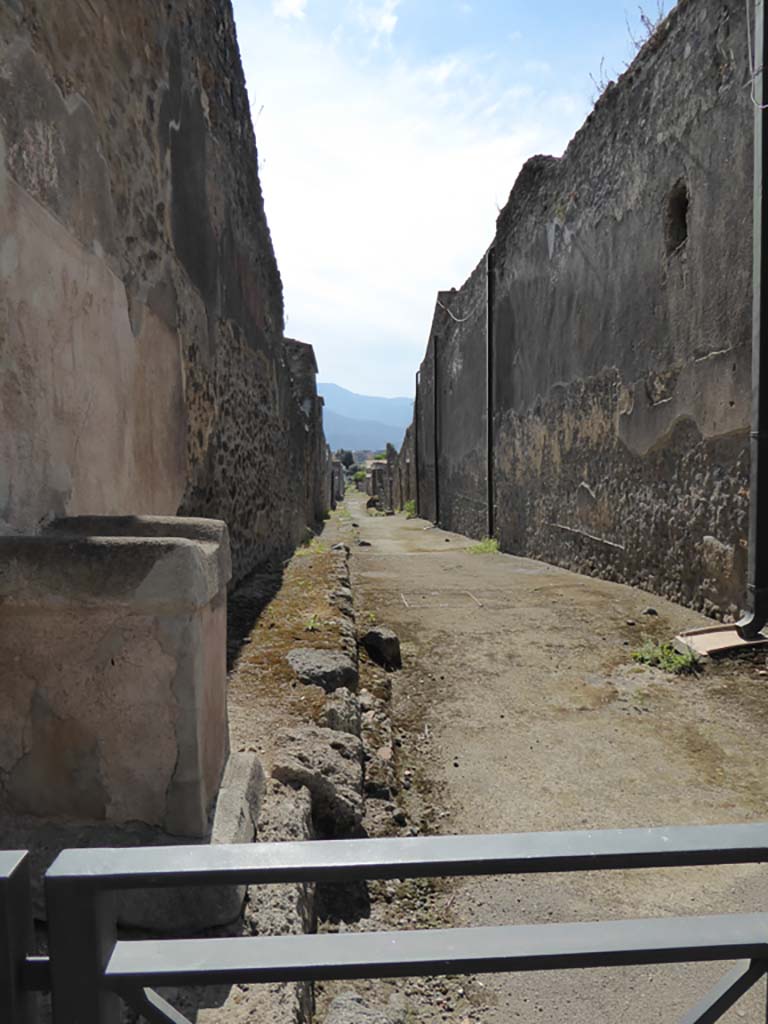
x=519, y=708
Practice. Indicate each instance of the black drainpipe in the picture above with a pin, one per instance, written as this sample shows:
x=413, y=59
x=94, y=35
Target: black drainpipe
x=437, y=439
x=416, y=441
x=489, y=406
x=757, y=567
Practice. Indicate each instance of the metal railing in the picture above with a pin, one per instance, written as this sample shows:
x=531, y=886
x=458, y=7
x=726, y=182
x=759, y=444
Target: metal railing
x=89, y=970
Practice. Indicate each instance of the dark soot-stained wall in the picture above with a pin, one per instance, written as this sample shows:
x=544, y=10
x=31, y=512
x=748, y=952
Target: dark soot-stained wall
x=621, y=325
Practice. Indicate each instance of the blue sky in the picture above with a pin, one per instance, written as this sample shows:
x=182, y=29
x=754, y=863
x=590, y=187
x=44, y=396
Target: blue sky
x=389, y=133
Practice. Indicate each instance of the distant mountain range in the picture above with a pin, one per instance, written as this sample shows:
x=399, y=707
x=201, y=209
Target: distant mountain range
x=363, y=421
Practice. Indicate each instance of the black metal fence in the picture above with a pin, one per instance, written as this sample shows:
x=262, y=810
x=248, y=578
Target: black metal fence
x=88, y=970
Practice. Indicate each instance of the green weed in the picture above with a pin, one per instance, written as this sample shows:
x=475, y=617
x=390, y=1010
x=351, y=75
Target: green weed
x=314, y=547
x=486, y=546
x=665, y=657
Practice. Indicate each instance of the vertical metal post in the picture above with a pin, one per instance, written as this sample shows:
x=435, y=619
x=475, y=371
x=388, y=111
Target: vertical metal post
x=757, y=568
x=82, y=931
x=416, y=441
x=436, y=407
x=489, y=403
x=16, y=1005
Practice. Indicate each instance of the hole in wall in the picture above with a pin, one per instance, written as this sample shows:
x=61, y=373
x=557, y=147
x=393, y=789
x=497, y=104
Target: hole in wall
x=676, y=225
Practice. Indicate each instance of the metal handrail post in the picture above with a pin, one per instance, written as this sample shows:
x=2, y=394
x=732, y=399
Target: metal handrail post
x=17, y=1005
x=82, y=932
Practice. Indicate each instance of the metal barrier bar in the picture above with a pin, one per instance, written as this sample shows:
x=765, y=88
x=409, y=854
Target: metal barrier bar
x=725, y=993
x=539, y=947
x=88, y=965
x=153, y=1007
x=427, y=857
x=17, y=1004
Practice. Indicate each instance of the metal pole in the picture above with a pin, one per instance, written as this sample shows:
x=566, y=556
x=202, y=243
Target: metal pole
x=17, y=1006
x=416, y=441
x=757, y=568
x=435, y=395
x=489, y=406
x=82, y=931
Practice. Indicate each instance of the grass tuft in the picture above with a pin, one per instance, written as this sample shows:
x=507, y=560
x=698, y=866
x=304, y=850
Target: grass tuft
x=314, y=547
x=665, y=657
x=487, y=546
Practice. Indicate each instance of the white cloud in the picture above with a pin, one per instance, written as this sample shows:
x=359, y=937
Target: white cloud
x=439, y=73
x=380, y=19
x=381, y=183
x=289, y=8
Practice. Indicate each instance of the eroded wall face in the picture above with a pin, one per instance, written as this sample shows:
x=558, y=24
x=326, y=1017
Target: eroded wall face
x=461, y=409
x=405, y=471
x=621, y=336
x=140, y=303
x=310, y=447
x=623, y=328
x=424, y=422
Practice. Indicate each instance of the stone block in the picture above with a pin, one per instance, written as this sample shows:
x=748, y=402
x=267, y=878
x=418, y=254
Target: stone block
x=329, y=669
x=383, y=646
x=342, y=712
x=329, y=765
x=191, y=909
x=184, y=910
x=113, y=692
x=282, y=909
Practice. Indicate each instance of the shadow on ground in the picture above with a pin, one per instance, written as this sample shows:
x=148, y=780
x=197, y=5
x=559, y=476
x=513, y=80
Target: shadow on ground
x=245, y=605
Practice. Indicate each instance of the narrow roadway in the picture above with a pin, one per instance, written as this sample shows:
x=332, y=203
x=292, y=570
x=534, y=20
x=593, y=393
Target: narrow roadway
x=519, y=708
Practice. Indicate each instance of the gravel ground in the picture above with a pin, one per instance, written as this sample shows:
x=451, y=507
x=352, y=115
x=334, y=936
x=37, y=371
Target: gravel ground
x=519, y=708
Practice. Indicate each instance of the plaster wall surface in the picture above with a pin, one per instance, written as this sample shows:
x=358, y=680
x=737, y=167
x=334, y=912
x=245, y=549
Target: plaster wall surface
x=92, y=417
x=621, y=333
x=113, y=638
x=142, y=367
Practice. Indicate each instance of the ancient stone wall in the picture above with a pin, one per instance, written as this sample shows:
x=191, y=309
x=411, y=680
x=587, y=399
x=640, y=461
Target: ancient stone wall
x=621, y=321
x=115, y=709
x=315, y=470
x=405, y=471
x=141, y=310
x=460, y=381
x=424, y=429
